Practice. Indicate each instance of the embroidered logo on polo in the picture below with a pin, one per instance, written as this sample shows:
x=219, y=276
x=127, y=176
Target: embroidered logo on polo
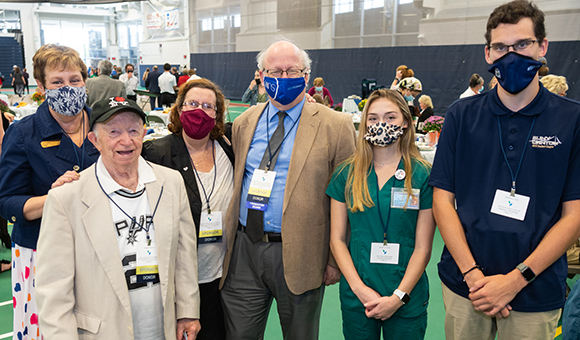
x=545, y=142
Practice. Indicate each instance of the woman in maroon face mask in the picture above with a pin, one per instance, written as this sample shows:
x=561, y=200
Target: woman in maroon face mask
x=200, y=149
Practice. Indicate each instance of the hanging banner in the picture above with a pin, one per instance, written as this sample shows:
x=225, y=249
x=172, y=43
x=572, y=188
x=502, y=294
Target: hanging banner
x=154, y=20
x=172, y=19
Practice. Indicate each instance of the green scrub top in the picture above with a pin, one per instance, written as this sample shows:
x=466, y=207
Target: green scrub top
x=366, y=228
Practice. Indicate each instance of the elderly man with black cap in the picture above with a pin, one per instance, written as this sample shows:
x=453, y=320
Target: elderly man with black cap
x=117, y=248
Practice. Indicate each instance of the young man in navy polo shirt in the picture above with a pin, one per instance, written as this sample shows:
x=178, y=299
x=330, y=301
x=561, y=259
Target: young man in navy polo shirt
x=509, y=159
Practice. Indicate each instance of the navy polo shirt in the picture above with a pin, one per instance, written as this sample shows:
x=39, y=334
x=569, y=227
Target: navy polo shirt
x=469, y=163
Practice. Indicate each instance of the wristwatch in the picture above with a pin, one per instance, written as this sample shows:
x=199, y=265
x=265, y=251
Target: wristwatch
x=403, y=296
x=527, y=272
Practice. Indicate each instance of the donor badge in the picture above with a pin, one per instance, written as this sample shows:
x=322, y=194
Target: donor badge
x=147, y=270
x=386, y=254
x=210, y=227
x=260, y=189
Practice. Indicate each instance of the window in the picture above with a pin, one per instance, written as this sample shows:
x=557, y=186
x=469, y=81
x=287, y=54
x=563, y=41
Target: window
x=370, y=4
x=219, y=22
x=237, y=19
x=343, y=6
x=404, y=2
x=10, y=21
x=206, y=24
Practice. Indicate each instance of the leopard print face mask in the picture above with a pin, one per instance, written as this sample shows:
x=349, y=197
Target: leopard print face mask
x=383, y=134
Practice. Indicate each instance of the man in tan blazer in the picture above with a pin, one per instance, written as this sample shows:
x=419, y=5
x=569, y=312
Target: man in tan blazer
x=282, y=252
x=104, y=270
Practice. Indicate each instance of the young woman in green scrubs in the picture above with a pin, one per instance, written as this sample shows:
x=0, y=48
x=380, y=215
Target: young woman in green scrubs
x=382, y=192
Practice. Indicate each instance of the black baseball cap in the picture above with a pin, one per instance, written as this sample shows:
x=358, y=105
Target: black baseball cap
x=108, y=107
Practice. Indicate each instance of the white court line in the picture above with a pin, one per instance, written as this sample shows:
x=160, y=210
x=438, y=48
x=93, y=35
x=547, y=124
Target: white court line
x=4, y=304
x=5, y=336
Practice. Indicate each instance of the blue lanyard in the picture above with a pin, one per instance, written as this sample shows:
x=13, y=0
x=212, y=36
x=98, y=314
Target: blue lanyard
x=268, y=136
x=385, y=225
x=82, y=160
x=147, y=224
x=214, y=177
x=514, y=178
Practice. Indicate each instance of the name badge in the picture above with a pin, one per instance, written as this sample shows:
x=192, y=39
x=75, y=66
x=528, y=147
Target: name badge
x=147, y=269
x=388, y=254
x=210, y=227
x=260, y=189
x=400, y=198
x=505, y=204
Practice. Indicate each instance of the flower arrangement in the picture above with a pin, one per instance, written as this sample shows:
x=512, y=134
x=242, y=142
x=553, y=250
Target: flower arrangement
x=338, y=107
x=362, y=104
x=3, y=106
x=38, y=97
x=433, y=123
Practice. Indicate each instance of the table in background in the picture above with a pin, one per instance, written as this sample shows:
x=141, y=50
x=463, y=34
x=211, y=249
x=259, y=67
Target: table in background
x=160, y=114
x=23, y=111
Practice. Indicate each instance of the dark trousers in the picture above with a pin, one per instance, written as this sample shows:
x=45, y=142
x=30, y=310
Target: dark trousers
x=167, y=99
x=152, y=101
x=255, y=276
x=211, y=312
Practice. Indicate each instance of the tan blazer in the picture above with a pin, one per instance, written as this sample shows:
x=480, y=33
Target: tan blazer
x=323, y=140
x=80, y=284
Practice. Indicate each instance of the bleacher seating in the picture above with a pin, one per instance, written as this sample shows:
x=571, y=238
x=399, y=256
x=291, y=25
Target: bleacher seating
x=11, y=53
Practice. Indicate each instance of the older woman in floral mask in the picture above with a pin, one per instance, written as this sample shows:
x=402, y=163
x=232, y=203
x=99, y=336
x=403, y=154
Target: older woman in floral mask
x=40, y=152
x=201, y=152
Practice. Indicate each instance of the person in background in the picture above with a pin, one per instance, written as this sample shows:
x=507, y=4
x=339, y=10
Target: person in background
x=507, y=225
x=26, y=76
x=175, y=73
x=153, y=79
x=544, y=70
x=114, y=71
x=203, y=154
x=401, y=73
x=104, y=86
x=145, y=76
x=410, y=88
x=318, y=88
x=1, y=79
x=282, y=252
x=167, y=86
x=256, y=92
x=117, y=248
x=386, y=174
x=555, y=84
x=426, y=105
x=118, y=72
x=476, y=84
x=193, y=75
x=184, y=78
x=492, y=83
x=18, y=82
x=130, y=80
x=40, y=152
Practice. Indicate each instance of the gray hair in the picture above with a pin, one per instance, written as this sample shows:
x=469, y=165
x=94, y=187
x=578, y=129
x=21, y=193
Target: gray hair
x=105, y=67
x=306, y=61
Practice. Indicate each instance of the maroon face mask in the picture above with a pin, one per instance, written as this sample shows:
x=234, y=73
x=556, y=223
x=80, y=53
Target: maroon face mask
x=196, y=123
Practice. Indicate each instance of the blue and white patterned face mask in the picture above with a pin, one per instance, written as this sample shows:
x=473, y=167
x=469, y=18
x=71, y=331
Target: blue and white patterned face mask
x=67, y=100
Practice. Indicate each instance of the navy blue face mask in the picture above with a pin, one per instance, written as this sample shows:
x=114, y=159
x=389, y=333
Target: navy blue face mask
x=284, y=90
x=514, y=71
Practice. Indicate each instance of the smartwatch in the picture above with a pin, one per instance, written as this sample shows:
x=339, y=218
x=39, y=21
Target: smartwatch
x=403, y=296
x=527, y=272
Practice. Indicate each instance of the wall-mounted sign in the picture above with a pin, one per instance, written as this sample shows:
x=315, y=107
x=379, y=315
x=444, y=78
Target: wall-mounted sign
x=172, y=19
x=154, y=20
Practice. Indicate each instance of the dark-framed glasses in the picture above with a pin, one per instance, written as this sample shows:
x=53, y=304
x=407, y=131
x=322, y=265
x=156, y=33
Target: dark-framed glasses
x=520, y=46
x=195, y=105
x=292, y=73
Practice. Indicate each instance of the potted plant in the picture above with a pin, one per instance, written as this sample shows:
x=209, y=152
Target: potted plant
x=433, y=127
x=38, y=98
x=3, y=107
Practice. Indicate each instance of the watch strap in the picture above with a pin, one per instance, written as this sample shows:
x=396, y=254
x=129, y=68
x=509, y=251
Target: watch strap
x=403, y=296
x=527, y=272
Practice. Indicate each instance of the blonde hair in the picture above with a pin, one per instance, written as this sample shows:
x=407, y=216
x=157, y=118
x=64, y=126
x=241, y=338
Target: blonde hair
x=318, y=82
x=360, y=162
x=57, y=57
x=555, y=84
x=425, y=99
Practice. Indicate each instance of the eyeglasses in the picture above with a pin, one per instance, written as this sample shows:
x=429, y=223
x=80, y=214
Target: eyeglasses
x=520, y=46
x=204, y=106
x=292, y=73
